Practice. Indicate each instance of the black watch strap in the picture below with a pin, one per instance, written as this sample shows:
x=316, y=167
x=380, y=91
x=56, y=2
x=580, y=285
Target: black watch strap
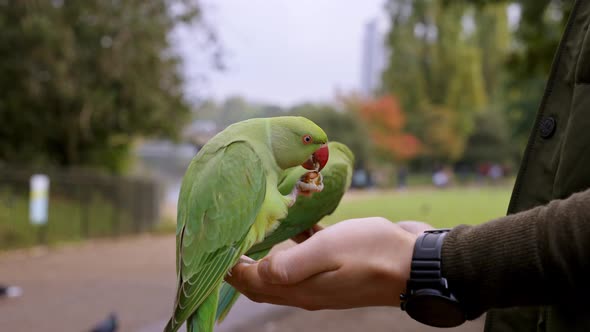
x=426, y=261
x=428, y=298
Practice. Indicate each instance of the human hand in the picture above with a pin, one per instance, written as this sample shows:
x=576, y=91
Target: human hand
x=355, y=263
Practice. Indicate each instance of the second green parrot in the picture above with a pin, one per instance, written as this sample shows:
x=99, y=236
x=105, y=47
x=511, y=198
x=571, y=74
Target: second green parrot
x=305, y=213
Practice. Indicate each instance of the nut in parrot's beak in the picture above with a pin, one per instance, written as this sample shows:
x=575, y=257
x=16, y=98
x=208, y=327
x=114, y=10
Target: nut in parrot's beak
x=310, y=182
x=318, y=159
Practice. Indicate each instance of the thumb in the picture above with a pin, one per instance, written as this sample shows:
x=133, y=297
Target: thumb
x=297, y=263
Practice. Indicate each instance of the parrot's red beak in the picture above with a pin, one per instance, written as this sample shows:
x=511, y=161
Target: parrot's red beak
x=318, y=159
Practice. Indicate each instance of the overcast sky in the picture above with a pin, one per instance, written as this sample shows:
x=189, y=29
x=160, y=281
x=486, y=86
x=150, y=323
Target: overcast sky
x=282, y=51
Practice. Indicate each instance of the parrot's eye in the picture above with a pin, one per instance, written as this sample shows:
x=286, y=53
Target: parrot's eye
x=306, y=139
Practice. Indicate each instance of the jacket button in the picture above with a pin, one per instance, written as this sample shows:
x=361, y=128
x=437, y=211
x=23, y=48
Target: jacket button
x=547, y=127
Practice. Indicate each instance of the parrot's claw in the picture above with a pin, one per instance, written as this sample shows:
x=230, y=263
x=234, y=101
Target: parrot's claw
x=309, y=183
x=242, y=260
x=294, y=194
x=246, y=260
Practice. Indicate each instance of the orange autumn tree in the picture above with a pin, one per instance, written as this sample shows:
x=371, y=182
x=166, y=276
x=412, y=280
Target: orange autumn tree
x=386, y=122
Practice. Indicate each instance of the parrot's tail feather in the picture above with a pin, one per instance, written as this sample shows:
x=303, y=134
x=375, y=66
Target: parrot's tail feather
x=203, y=319
x=171, y=326
x=227, y=298
x=192, y=324
x=229, y=295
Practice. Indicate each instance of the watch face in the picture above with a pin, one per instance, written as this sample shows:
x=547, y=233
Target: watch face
x=435, y=310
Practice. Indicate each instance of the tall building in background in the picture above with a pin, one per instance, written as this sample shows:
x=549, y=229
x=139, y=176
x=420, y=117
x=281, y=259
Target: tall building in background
x=373, y=58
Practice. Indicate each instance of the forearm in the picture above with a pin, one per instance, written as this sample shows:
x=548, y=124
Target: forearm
x=534, y=257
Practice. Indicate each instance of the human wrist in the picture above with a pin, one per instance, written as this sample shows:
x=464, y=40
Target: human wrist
x=407, y=259
x=399, y=262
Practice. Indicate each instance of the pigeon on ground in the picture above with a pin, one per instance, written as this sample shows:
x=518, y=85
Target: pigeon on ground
x=10, y=291
x=110, y=324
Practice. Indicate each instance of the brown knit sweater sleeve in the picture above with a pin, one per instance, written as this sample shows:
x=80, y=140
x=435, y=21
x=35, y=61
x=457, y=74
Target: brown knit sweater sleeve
x=535, y=257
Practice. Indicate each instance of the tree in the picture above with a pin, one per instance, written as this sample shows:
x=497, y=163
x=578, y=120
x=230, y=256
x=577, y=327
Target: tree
x=386, y=122
x=80, y=80
x=436, y=68
x=490, y=141
x=430, y=67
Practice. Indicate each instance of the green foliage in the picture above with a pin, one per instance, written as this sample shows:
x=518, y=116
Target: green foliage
x=538, y=34
x=490, y=141
x=437, y=68
x=79, y=80
x=493, y=39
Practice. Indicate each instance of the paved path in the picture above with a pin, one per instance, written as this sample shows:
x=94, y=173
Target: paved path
x=71, y=288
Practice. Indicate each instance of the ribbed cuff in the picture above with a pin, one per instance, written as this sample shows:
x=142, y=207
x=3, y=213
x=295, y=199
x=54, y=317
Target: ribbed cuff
x=480, y=263
x=535, y=257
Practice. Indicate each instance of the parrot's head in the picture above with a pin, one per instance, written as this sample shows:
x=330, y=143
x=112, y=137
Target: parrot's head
x=298, y=141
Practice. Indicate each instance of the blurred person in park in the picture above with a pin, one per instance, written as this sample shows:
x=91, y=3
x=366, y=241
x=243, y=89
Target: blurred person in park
x=441, y=178
x=527, y=270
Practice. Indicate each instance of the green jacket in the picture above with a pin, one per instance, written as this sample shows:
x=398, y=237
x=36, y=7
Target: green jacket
x=556, y=164
x=528, y=258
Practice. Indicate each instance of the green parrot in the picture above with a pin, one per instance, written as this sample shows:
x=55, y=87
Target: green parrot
x=229, y=200
x=306, y=212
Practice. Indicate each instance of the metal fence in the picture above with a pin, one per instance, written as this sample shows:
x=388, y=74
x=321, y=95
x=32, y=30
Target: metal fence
x=81, y=205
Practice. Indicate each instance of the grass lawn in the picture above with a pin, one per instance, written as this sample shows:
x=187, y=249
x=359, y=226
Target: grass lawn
x=438, y=207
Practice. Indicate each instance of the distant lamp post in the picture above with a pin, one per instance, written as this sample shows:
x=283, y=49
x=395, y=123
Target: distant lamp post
x=38, y=204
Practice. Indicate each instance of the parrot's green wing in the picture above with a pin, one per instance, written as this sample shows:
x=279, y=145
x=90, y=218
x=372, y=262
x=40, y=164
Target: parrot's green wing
x=306, y=212
x=220, y=197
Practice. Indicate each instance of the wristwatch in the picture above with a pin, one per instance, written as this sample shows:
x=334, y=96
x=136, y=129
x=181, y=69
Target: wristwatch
x=427, y=298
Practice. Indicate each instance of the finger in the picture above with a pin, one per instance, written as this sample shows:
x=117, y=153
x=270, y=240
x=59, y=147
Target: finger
x=297, y=263
x=306, y=234
x=245, y=278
